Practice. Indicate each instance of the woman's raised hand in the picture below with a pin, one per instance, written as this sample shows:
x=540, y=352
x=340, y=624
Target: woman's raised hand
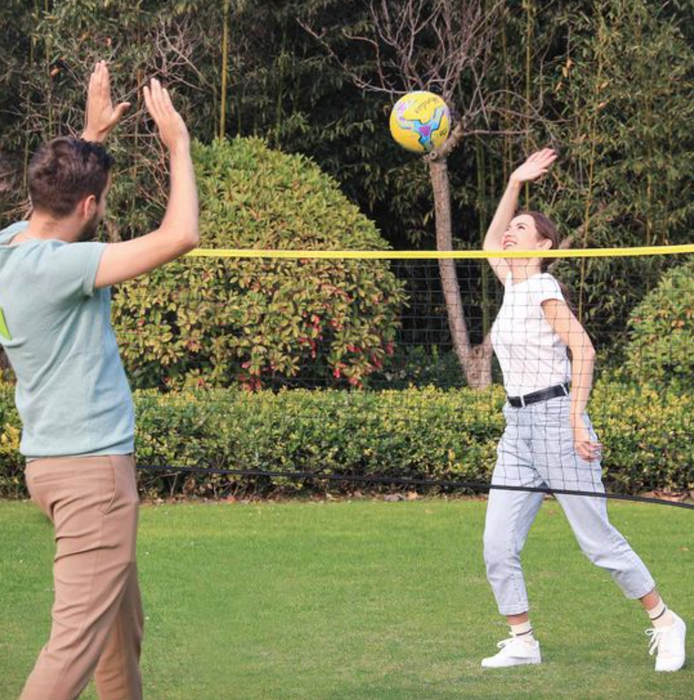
x=537, y=165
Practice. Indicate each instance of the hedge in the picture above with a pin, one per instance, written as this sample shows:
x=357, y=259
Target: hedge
x=661, y=332
x=416, y=433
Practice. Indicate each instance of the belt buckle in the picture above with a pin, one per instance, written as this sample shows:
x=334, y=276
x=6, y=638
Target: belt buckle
x=522, y=401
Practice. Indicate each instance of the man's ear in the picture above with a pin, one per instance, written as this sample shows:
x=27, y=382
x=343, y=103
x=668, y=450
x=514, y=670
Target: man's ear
x=89, y=207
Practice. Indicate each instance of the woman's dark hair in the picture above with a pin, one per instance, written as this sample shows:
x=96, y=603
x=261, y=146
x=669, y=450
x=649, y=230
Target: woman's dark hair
x=66, y=170
x=547, y=230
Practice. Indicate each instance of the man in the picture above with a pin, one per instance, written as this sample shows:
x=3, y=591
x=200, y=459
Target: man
x=72, y=393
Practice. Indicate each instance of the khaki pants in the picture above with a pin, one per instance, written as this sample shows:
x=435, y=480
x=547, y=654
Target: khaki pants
x=97, y=614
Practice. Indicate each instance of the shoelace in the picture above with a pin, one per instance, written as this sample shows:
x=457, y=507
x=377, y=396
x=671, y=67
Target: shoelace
x=655, y=636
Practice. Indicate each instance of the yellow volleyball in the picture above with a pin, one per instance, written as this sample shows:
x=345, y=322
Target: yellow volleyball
x=420, y=121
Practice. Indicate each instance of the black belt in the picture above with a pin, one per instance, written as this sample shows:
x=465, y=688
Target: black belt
x=543, y=395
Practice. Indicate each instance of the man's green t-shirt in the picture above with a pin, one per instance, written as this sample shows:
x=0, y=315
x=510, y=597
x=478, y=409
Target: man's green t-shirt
x=72, y=393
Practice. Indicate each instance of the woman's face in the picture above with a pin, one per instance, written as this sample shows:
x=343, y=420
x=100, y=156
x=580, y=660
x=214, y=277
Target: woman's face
x=521, y=234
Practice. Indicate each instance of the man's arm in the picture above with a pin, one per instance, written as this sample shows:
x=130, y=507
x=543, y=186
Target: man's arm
x=178, y=232
x=102, y=117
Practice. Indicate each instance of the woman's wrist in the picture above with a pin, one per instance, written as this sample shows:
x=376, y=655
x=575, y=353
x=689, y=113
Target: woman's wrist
x=576, y=417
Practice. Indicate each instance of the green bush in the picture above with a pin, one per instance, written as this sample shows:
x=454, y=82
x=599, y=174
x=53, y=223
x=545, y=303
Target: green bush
x=661, y=332
x=216, y=322
x=420, y=366
x=415, y=433
x=11, y=462
x=647, y=434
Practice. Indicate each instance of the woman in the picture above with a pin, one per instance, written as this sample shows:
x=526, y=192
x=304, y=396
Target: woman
x=549, y=440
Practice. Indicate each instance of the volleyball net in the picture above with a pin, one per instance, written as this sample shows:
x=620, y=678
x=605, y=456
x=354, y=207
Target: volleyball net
x=375, y=369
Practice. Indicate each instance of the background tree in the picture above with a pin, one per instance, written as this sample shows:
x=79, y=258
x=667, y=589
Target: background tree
x=618, y=94
x=437, y=45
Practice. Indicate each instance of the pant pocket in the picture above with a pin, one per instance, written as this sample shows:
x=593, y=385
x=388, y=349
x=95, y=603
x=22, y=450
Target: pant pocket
x=110, y=485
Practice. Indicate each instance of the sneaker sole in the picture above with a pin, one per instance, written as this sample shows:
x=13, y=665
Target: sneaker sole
x=532, y=662
x=670, y=670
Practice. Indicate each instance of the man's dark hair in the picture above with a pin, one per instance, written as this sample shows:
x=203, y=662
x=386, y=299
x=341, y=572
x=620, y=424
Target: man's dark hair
x=65, y=171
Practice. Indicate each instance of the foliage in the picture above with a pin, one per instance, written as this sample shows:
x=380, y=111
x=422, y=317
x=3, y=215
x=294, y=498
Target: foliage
x=420, y=366
x=609, y=78
x=661, y=336
x=283, y=87
x=416, y=433
x=618, y=93
x=12, y=463
x=50, y=68
x=263, y=321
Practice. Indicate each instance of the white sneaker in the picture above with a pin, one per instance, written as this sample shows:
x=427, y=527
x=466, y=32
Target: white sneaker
x=515, y=651
x=669, y=643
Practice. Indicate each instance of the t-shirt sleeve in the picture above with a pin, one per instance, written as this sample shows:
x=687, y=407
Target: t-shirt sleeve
x=543, y=288
x=69, y=270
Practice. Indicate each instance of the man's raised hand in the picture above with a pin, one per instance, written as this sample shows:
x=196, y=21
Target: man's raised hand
x=172, y=129
x=102, y=116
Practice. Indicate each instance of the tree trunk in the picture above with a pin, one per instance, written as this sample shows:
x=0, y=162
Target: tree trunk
x=479, y=371
x=225, y=70
x=475, y=362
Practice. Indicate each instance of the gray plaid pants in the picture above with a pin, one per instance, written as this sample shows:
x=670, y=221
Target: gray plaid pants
x=537, y=449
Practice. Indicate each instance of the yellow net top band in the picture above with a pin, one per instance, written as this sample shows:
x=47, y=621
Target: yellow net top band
x=437, y=254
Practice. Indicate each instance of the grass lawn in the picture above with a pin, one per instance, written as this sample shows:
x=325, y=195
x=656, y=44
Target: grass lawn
x=360, y=599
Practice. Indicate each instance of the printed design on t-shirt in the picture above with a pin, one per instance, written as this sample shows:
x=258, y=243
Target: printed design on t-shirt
x=4, y=330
